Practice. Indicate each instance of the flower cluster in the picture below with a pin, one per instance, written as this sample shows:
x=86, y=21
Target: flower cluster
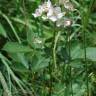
x=53, y=13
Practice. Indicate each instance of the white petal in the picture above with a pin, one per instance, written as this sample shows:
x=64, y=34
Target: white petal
x=60, y=15
x=46, y=6
x=37, y=13
x=49, y=4
x=57, y=10
x=53, y=18
x=67, y=22
x=50, y=12
x=40, y=8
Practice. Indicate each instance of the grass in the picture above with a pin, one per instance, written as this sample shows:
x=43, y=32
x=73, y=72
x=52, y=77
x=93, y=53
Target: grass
x=39, y=59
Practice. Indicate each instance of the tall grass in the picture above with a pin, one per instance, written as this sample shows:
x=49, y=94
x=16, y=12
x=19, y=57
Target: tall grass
x=39, y=59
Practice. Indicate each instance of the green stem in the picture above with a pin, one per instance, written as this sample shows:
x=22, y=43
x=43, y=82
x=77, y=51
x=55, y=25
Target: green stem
x=85, y=20
x=69, y=45
x=50, y=83
x=54, y=49
x=86, y=64
x=56, y=37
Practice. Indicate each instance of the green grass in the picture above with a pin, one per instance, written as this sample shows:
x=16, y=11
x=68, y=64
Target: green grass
x=39, y=59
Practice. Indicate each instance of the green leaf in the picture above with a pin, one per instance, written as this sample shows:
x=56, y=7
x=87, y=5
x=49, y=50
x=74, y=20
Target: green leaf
x=59, y=89
x=19, y=58
x=17, y=68
x=14, y=47
x=91, y=53
x=40, y=64
x=78, y=89
x=78, y=53
x=2, y=31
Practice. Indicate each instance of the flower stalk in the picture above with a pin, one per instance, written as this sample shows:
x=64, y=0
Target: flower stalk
x=56, y=38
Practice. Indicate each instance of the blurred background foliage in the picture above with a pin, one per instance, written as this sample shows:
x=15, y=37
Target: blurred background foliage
x=26, y=67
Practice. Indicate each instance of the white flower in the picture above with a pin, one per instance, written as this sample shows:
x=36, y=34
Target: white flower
x=48, y=11
x=65, y=23
x=55, y=13
x=38, y=12
x=42, y=8
x=46, y=6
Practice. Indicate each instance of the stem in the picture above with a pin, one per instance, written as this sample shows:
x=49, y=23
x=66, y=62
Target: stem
x=69, y=46
x=86, y=64
x=85, y=20
x=54, y=44
x=56, y=37
x=50, y=83
x=54, y=50
x=54, y=57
